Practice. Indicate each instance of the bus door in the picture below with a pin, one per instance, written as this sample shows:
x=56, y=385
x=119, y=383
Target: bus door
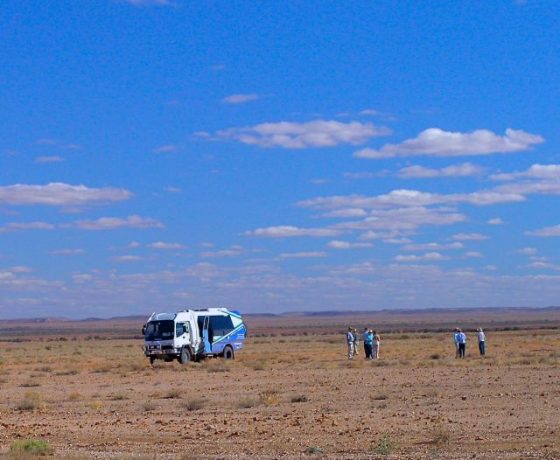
x=206, y=335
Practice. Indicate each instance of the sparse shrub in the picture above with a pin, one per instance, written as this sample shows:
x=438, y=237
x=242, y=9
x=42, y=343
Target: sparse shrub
x=31, y=447
x=96, y=405
x=68, y=372
x=194, y=404
x=257, y=365
x=379, y=397
x=44, y=369
x=313, y=450
x=148, y=406
x=299, y=399
x=269, y=397
x=31, y=401
x=217, y=366
x=385, y=445
x=118, y=397
x=440, y=436
x=246, y=403
x=174, y=393
x=435, y=356
x=31, y=383
x=74, y=396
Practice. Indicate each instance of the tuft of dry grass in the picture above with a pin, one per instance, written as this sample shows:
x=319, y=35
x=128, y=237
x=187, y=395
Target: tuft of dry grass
x=246, y=403
x=174, y=393
x=194, y=404
x=270, y=397
x=31, y=401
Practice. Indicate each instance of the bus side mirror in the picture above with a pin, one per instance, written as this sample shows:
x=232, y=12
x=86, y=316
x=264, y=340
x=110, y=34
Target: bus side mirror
x=144, y=329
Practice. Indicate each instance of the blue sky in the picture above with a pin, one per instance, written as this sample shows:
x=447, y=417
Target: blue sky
x=304, y=156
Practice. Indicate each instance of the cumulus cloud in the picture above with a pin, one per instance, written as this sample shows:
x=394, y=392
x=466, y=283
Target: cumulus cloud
x=337, y=244
x=289, y=231
x=17, y=226
x=292, y=135
x=126, y=258
x=68, y=252
x=60, y=194
x=234, y=251
x=240, y=98
x=527, y=251
x=536, y=171
x=432, y=246
x=421, y=172
x=405, y=197
x=113, y=223
x=302, y=255
x=429, y=256
x=49, y=159
x=469, y=237
x=168, y=148
x=546, y=231
x=495, y=221
x=399, y=219
x=164, y=245
x=437, y=142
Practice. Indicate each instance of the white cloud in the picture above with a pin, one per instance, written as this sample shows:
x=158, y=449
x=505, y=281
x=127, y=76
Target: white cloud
x=432, y=246
x=398, y=219
x=171, y=189
x=346, y=212
x=60, y=194
x=546, y=231
x=126, y=258
x=462, y=170
x=302, y=255
x=163, y=245
x=168, y=148
x=527, y=251
x=288, y=231
x=49, y=159
x=536, y=171
x=337, y=244
x=469, y=237
x=17, y=226
x=240, y=98
x=68, y=252
x=473, y=255
x=234, y=251
x=437, y=142
x=429, y=256
x=358, y=175
x=292, y=135
x=495, y=221
x=112, y=223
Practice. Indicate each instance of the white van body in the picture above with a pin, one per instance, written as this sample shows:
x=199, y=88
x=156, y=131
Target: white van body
x=192, y=334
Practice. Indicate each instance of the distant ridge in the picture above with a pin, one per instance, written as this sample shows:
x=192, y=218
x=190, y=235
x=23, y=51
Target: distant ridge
x=322, y=313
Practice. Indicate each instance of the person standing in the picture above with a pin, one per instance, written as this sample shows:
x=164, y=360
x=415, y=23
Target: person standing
x=462, y=342
x=456, y=341
x=350, y=342
x=481, y=341
x=375, y=345
x=367, y=337
x=356, y=341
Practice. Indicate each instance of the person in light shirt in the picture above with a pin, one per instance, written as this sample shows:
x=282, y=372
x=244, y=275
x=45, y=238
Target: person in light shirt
x=460, y=339
x=481, y=341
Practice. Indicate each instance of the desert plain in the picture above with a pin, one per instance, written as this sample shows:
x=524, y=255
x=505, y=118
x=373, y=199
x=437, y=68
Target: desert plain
x=83, y=389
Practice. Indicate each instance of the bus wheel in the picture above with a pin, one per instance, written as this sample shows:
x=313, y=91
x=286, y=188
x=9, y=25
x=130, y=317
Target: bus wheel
x=228, y=353
x=152, y=360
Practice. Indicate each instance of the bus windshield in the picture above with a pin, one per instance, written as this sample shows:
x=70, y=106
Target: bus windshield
x=160, y=330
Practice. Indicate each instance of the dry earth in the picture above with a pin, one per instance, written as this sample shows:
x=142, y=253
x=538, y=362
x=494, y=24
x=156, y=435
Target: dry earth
x=288, y=395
